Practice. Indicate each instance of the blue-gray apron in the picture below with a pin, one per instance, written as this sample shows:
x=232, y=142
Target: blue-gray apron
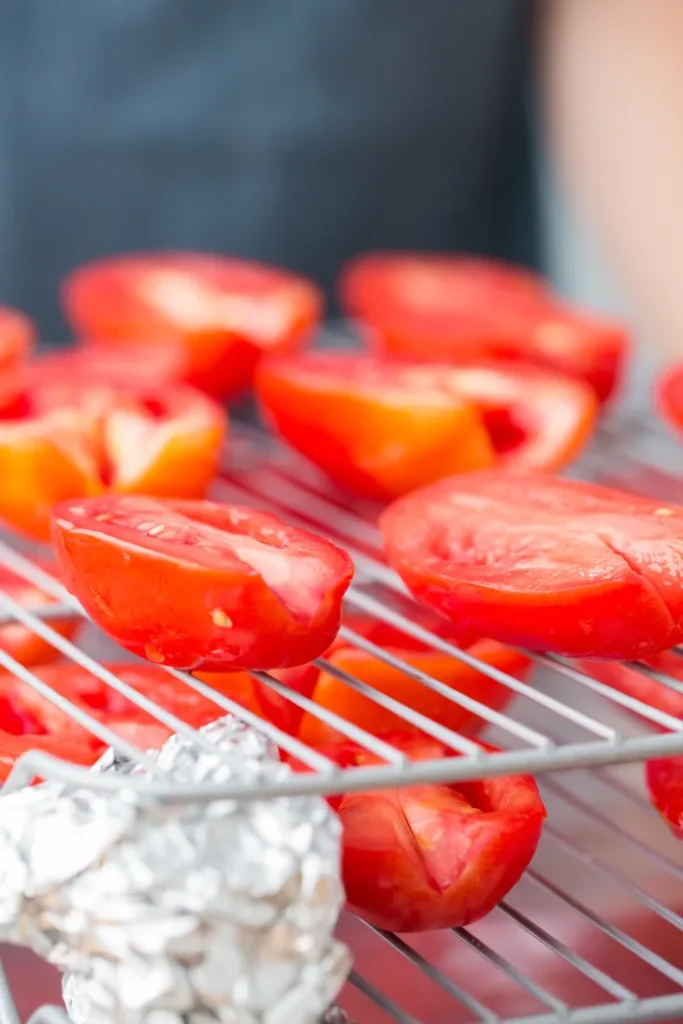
x=295, y=131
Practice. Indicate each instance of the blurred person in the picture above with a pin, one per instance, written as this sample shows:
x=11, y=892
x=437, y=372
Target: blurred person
x=303, y=131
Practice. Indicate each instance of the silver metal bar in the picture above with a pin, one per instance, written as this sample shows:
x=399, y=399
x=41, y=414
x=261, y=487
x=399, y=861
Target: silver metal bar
x=656, y=1008
x=388, y=1005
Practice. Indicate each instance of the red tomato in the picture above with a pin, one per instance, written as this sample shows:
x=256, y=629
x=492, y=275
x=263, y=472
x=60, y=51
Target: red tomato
x=669, y=397
x=642, y=687
x=433, y=856
x=382, y=429
x=544, y=563
x=226, y=312
x=21, y=643
x=445, y=307
x=195, y=584
x=17, y=338
x=151, y=364
x=664, y=780
x=334, y=695
x=61, y=438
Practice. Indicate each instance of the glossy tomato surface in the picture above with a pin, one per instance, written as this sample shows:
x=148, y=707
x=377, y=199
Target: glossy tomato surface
x=152, y=365
x=379, y=429
x=17, y=640
x=669, y=397
x=384, y=428
x=433, y=856
x=432, y=307
x=63, y=437
x=664, y=780
x=17, y=338
x=194, y=584
x=225, y=312
x=331, y=693
x=544, y=563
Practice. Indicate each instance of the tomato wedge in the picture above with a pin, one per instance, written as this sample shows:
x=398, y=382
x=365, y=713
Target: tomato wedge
x=151, y=364
x=225, y=312
x=194, y=584
x=664, y=780
x=331, y=693
x=17, y=640
x=433, y=856
x=379, y=429
x=61, y=438
x=432, y=307
x=544, y=563
x=17, y=338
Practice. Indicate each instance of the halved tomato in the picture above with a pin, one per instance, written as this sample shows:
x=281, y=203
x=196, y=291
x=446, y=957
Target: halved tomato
x=61, y=437
x=152, y=365
x=17, y=338
x=384, y=428
x=664, y=780
x=433, y=856
x=17, y=640
x=194, y=584
x=544, y=563
x=669, y=397
x=332, y=694
x=225, y=312
x=438, y=308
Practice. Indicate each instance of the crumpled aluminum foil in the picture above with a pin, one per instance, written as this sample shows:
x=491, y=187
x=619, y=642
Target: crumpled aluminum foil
x=179, y=913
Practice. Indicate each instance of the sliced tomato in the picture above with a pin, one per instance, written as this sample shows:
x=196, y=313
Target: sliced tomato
x=332, y=694
x=61, y=438
x=17, y=338
x=642, y=687
x=433, y=856
x=148, y=364
x=544, y=563
x=440, y=308
x=664, y=780
x=384, y=428
x=225, y=312
x=194, y=584
x=17, y=640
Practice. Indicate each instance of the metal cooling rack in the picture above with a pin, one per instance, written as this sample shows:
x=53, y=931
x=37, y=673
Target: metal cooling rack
x=594, y=931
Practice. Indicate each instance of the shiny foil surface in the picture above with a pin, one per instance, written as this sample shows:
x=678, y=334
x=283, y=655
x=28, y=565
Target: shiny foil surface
x=162, y=913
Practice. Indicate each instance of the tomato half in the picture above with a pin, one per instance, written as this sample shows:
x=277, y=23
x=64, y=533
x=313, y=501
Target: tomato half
x=664, y=780
x=379, y=429
x=151, y=364
x=226, y=312
x=433, y=856
x=17, y=640
x=61, y=437
x=432, y=307
x=642, y=687
x=331, y=693
x=544, y=563
x=17, y=338
x=669, y=397
x=194, y=584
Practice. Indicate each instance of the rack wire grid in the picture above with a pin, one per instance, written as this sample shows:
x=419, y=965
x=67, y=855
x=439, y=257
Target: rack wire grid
x=593, y=931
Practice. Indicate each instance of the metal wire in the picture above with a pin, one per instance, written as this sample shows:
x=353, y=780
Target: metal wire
x=540, y=745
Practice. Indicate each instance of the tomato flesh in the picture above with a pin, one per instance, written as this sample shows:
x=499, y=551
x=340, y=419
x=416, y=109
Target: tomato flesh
x=664, y=780
x=63, y=437
x=194, y=584
x=450, y=307
x=150, y=364
x=544, y=563
x=433, y=856
x=332, y=694
x=223, y=312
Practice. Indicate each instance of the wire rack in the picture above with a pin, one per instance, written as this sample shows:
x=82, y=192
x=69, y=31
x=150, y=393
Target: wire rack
x=593, y=932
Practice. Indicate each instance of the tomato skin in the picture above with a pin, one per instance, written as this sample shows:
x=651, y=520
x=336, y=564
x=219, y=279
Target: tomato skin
x=332, y=694
x=131, y=300
x=367, y=425
x=426, y=857
x=62, y=438
x=544, y=563
x=17, y=640
x=436, y=308
x=669, y=397
x=17, y=338
x=664, y=781
x=150, y=364
x=200, y=585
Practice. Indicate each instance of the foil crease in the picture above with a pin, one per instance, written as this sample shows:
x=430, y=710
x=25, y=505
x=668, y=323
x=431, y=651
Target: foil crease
x=179, y=913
